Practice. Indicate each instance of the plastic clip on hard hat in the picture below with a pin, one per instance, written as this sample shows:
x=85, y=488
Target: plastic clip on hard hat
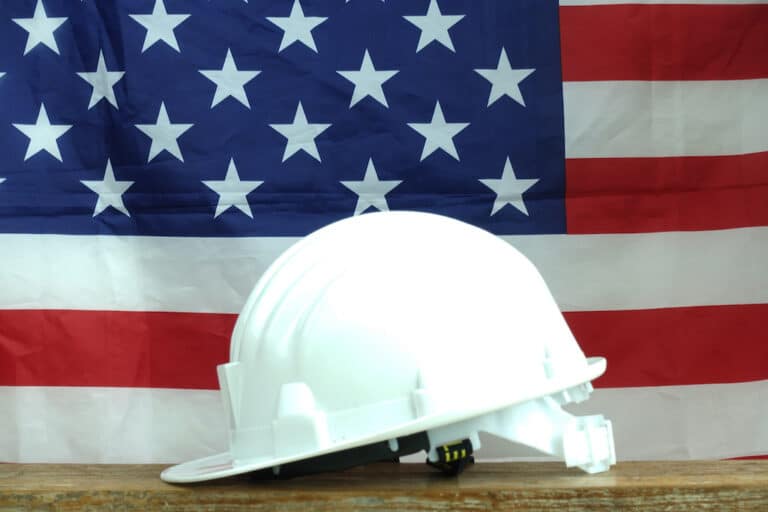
x=391, y=333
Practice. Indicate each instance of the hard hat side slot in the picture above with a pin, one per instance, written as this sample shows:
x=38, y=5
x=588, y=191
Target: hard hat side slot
x=299, y=426
x=230, y=382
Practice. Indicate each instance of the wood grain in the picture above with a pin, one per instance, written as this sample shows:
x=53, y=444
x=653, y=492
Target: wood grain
x=636, y=486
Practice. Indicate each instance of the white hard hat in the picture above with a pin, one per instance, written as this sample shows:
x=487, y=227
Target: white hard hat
x=391, y=333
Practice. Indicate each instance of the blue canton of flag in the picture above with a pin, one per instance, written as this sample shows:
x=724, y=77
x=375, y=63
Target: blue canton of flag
x=226, y=118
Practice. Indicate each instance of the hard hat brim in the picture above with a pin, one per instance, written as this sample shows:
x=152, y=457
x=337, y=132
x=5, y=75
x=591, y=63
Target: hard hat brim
x=223, y=464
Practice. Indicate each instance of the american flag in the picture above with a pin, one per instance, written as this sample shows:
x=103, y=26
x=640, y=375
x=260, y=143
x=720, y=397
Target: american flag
x=158, y=155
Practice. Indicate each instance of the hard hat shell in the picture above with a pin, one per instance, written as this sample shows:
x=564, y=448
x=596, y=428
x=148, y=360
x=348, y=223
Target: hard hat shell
x=388, y=324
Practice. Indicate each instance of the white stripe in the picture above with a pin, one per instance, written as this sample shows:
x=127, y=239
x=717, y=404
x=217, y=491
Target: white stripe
x=584, y=272
x=702, y=2
x=654, y=119
x=652, y=270
x=124, y=425
x=211, y=275
x=109, y=425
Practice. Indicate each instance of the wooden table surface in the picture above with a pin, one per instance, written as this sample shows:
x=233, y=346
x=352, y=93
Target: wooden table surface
x=636, y=486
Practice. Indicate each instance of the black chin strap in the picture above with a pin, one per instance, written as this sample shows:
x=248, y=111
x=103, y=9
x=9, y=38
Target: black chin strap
x=452, y=458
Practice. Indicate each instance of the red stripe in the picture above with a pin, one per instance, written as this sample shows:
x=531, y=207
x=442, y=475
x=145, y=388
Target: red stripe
x=108, y=348
x=633, y=195
x=664, y=42
x=676, y=346
x=181, y=350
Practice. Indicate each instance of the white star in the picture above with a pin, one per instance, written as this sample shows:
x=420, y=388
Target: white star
x=40, y=28
x=43, y=135
x=2, y=74
x=368, y=81
x=110, y=191
x=2, y=180
x=229, y=81
x=300, y=134
x=509, y=189
x=371, y=191
x=434, y=26
x=160, y=26
x=164, y=134
x=102, y=82
x=505, y=80
x=439, y=134
x=297, y=27
x=233, y=191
